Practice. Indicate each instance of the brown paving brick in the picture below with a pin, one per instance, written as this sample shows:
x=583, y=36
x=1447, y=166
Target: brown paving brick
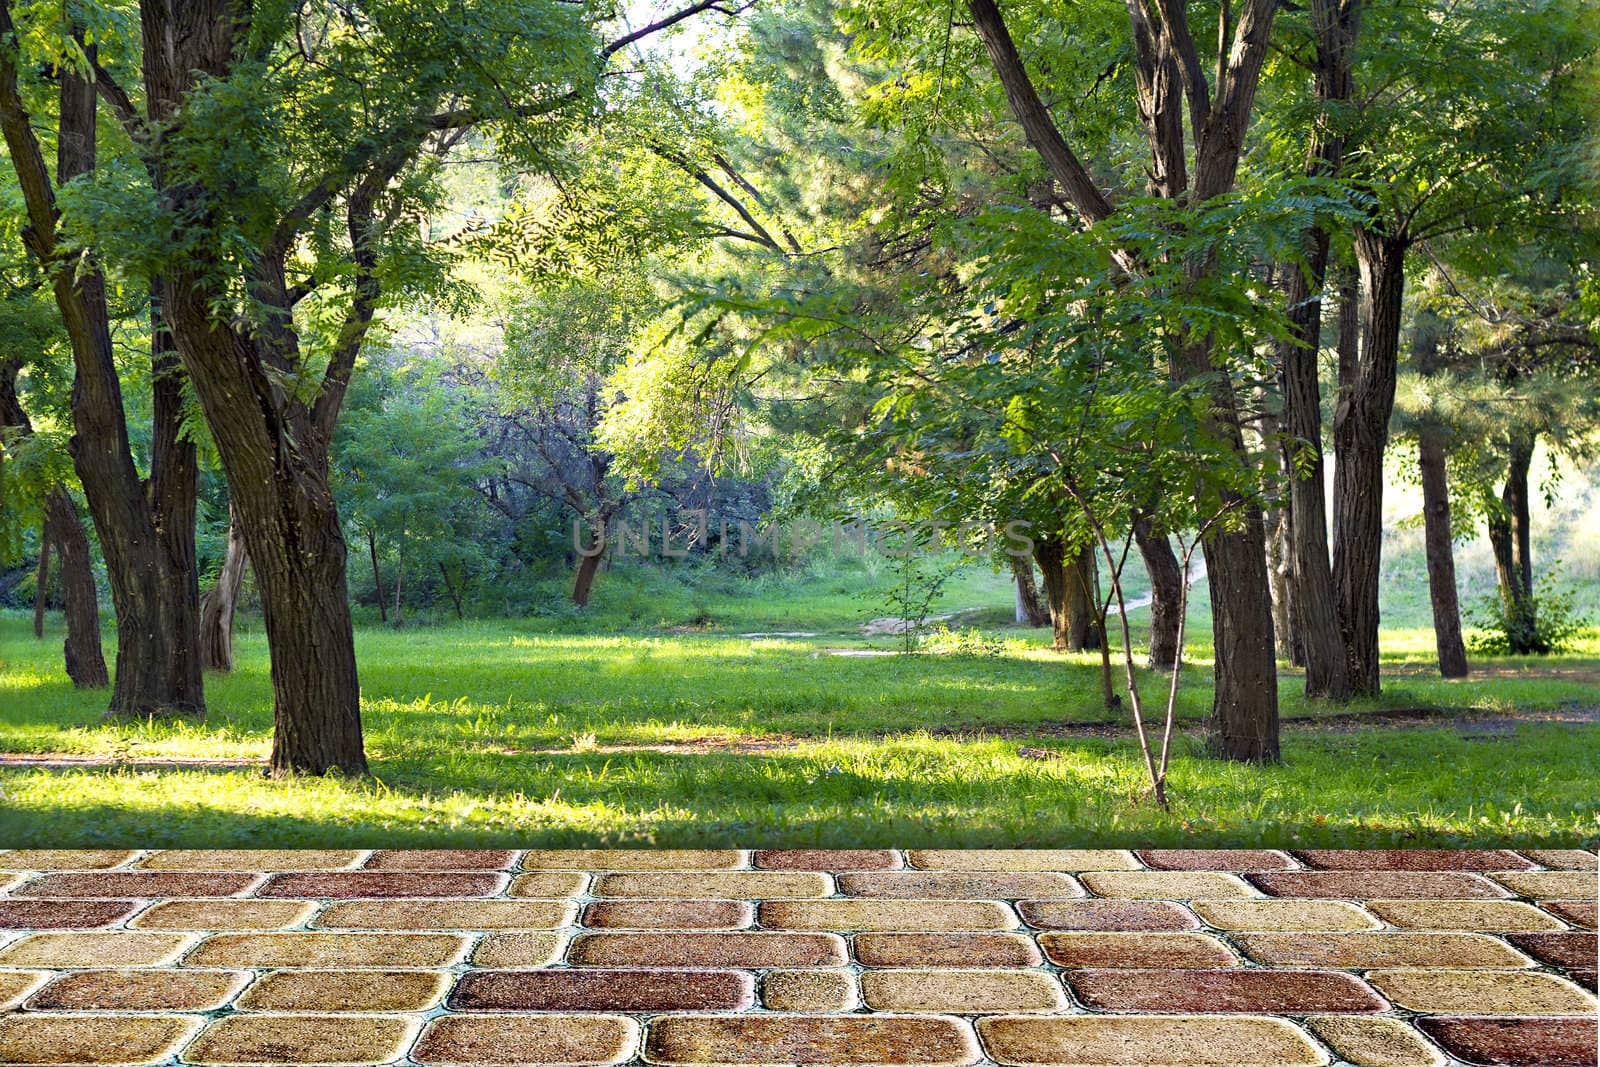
x=1563, y=859
x=1412, y=859
x=63, y=859
x=1282, y=914
x=224, y=914
x=249, y=859
x=1574, y=885
x=1489, y=915
x=1235, y=990
x=86, y=1039
x=142, y=990
x=631, y=859
x=837, y=1039
x=960, y=885
x=63, y=914
x=1023, y=859
x=886, y=915
x=1368, y=1041
x=946, y=950
x=1217, y=859
x=1166, y=885
x=574, y=989
x=1380, y=949
x=1106, y=915
x=441, y=859
x=525, y=1039
x=810, y=992
x=827, y=859
x=14, y=985
x=1586, y=979
x=140, y=884
x=1391, y=885
x=961, y=991
x=1136, y=950
x=725, y=885
x=519, y=950
x=670, y=914
x=1447, y=991
x=383, y=884
x=1548, y=1042
x=1147, y=1041
x=95, y=949
x=436, y=914
x=316, y=949
x=344, y=1039
x=752, y=949
x=548, y=884
x=1580, y=913
x=1568, y=948
x=345, y=991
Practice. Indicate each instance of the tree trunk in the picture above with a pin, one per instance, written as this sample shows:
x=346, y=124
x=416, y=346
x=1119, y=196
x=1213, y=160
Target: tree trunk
x=1083, y=611
x=1280, y=582
x=399, y=568
x=1166, y=591
x=1440, y=542
x=1360, y=434
x=1509, y=537
x=449, y=587
x=41, y=583
x=583, y=581
x=216, y=610
x=1050, y=554
x=1066, y=591
x=377, y=576
x=1029, y=607
x=85, y=659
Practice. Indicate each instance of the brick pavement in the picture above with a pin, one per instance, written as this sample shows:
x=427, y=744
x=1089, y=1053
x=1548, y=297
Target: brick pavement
x=820, y=957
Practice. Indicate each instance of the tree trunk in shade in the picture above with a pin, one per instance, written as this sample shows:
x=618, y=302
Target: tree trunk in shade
x=41, y=583
x=1440, y=547
x=1030, y=609
x=85, y=659
x=1166, y=591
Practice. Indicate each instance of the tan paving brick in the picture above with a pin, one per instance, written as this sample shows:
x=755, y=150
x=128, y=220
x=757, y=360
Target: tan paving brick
x=528, y=1039
x=1106, y=915
x=751, y=949
x=1282, y=914
x=1546, y=1042
x=140, y=884
x=317, y=949
x=15, y=985
x=670, y=914
x=345, y=991
x=959, y=949
x=441, y=859
x=430, y=914
x=742, y=885
x=321, y=1039
x=808, y=992
x=1230, y=990
x=548, y=884
x=1412, y=859
x=631, y=859
x=600, y=989
x=1449, y=991
x=1023, y=859
x=224, y=915
x=1380, y=949
x=1136, y=950
x=142, y=990
x=1580, y=913
x=63, y=859
x=384, y=884
x=963, y=992
x=828, y=859
x=886, y=915
x=95, y=949
x=1147, y=1041
x=960, y=885
x=90, y=1039
x=1383, y=885
x=1487, y=915
x=519, y=950
x=63, y=914
x=249, y=859
x=1368, y=1041
x=1574, y=885
x=1166, y=885
x=836, y=1039
x=1217, y=859
x=1563, y=859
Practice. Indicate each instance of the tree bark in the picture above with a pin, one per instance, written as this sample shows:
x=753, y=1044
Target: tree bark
x=1029, y=607
x=1166, y=591
x=377, y=576
x=1280, y=581
x=217, y=608
x=1083, y=613
x=41, y=583
x=588, y=567
x=84, y=657
x=1072, y=612
x=450, y=588
x=1440, y=546
x=1510, y=540
x=1051, y=556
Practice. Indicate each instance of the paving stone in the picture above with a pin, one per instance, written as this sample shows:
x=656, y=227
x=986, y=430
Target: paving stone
x=87, y=1039
x=946, y=950
x=1382, y=949
x=631, y=859
x=754, y=949
x=441, y=859
x=434, y=914
x=1576, y=885
x=317, y=949
x=140, y=884
x=1481, y=992
x=1387, y=885
x=1147, y=1041
x=345, y=991
x=548, y=884
x=1280, y=914
x=1236, y=990
x=886, y=915
x=63, y=859
x=574, y=989
x=835, y=1039
x=383, y=884
x=1490, y=915
x=1569, y=948
x=95, y=949
x=1023, y=859
x=142, y=990
x=1515, y=1042
x=1412, y=859
x=742, y=885
x=519, y=950
x=322, y=1039
x=1217, y=859
x=63, y=914
x=827, y=859
x=15, y=985
x=1586, y=979
x=249, y=859
x=1136, y=950
x=1166, y=885
x=1106, y=915
x=525, y=1039
x=811, y=992
x=961, y=991
x=670, y=914
x=960, y=885
x=224, y=914
x=1563, y=859
x=1580, y=913
x=1369, y=1041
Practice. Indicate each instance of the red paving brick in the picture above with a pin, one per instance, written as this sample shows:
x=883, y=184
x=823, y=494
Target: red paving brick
x=1515, y=1042
x=63, y=914
x=1414, y=859
x=1566, y=948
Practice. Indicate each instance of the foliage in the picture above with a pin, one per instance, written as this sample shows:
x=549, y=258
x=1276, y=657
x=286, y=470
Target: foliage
x=1546, y=623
